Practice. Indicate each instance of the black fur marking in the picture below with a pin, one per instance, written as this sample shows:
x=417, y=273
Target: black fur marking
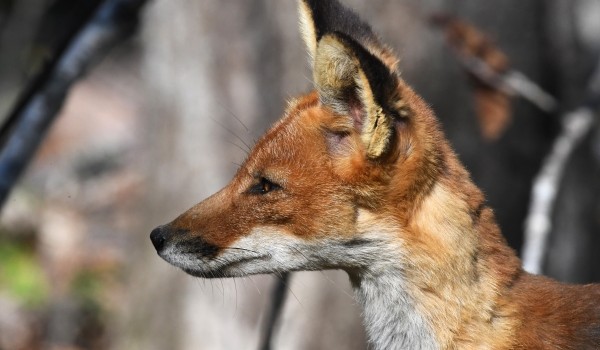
x=197, y=245
x=280, y=219
x=442, y=164
x=475, y=264
x=382, y=81
x=331, y=16
x=476, y=212
x=357, y=242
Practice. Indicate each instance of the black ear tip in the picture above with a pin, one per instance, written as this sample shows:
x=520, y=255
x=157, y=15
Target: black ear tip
x=331, y=16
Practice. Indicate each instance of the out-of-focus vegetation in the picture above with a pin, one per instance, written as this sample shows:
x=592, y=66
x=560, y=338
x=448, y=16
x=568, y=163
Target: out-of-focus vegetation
x=21, y=274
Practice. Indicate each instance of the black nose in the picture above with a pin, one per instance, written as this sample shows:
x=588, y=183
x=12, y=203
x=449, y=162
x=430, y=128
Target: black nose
x=158, y=238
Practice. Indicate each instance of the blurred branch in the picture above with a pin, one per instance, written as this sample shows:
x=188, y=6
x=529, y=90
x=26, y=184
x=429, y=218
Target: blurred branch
x=277, y=301
x=575, y=125
x=5, y=10
x=512, y=83
x=53, y=44
x=113, y=22
x=494, y=81
x=478, y=55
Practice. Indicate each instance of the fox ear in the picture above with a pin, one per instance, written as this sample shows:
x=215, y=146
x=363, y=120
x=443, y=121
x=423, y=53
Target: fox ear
x=353, y=72
x=353, y=82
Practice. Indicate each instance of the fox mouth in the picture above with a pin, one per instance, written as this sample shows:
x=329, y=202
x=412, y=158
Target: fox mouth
x=201, y=273
x=220, y=268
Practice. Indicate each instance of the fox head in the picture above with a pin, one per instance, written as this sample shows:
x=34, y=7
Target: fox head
x=337, y=178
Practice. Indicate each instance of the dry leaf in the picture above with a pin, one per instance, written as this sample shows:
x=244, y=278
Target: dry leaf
x=491, y=105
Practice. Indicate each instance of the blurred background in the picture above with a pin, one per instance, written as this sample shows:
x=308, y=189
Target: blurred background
x=161, y=123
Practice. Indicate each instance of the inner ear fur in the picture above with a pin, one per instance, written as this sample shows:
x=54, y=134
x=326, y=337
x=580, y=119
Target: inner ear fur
x=354, y=82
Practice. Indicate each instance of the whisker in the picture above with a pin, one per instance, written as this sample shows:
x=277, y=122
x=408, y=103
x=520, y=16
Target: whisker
x=300, y=252
x=238, y=146
x=340, y=289
x=284, y=282
x=244, y=249
x=323, y=274
x=236, y=297
x=309, y=80
x=223, y=292
x=233, y=115
x=253, y=282
x=231, y=132
x=212, y=286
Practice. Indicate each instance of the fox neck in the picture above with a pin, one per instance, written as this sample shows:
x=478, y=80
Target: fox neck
x=439, y=289
x=390, y=314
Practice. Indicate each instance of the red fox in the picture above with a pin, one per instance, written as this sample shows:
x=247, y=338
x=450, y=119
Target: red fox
x=358, y=176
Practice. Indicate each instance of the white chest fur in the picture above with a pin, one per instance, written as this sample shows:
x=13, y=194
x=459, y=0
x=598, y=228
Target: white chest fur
x=389, y=313
x=391, y=318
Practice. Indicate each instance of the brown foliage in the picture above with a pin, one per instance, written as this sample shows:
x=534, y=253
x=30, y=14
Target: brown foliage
x=491, y=105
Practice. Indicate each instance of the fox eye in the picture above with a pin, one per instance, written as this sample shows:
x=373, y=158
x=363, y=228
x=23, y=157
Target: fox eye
x=263, y=186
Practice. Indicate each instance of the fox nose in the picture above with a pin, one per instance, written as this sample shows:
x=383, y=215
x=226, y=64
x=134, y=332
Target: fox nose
x=158, y=238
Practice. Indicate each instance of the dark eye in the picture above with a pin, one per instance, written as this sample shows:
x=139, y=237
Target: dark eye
x=263, y=186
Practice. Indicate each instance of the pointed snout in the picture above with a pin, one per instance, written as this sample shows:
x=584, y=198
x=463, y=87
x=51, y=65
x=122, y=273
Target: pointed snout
x=158, y=236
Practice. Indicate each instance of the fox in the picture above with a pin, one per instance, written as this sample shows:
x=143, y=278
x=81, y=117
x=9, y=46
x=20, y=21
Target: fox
x=358, y=176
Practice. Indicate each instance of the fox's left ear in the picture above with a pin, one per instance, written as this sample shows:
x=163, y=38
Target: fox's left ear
x=353, y=74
